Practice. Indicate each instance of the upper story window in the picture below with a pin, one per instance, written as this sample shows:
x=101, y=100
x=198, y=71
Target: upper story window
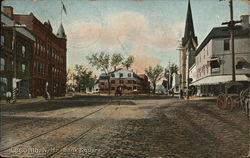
x=226, y=44
x=129, y=74
x=23, y=51
x=2, y=40
x=23, y=68
x=121, y=75
x=112, y=81
x=112, y=75
x=130, y=81
x=2, y=64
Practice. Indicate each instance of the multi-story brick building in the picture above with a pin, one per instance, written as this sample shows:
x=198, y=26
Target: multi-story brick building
x=23, y=49
x=49, y=55
x=126, y=81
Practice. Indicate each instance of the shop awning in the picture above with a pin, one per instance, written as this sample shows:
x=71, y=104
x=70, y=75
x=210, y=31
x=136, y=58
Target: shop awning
x=240, y=59
x=214, y=80
x=213, y=59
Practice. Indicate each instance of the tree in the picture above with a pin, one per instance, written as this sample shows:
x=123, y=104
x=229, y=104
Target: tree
x=128, y=62
x=155, y=74
x=116, y=60
x=83, y=78
x=102, y=62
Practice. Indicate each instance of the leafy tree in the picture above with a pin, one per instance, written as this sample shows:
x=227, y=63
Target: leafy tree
x=102, y=62
x=128, y=62
x=83, y=78
x=116, y=60
x=155, y=74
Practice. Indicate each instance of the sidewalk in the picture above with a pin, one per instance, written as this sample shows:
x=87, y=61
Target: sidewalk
x=32, y=100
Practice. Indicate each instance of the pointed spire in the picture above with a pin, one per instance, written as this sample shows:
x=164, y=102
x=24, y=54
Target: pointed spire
x=61, y=32
x=189, y=40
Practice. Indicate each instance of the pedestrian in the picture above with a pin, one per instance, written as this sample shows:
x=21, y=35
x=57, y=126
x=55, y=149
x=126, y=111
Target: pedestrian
x=8, y=96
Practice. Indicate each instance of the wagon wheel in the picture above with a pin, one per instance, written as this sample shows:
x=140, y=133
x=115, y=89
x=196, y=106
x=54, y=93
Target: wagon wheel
x=221, y=101
x=229, y=103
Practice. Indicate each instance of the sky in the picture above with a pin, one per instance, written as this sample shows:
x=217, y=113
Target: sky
x=147, y=29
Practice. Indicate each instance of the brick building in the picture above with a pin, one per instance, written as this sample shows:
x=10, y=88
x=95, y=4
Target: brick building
x=23, y=49
x=49, y=55
x=125, y=80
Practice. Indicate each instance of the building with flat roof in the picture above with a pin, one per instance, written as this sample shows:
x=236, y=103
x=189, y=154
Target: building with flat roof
x=214, y=58
x=19, y=58
x=49, y=55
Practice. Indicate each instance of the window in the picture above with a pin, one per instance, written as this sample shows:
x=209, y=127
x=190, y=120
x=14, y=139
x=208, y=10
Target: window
x=102, y=83
x=112, y=81
x=130, y=81
x=226, y=44
x=112, y=75
x=2, y=64
x=23, y=68
x=129, y=74
x=121, y=75
x=134, y=82
x=112, y=88
x=23, y=51
x=129, y=88
x=3, y=85
x=134, y=87
x=2, y=40
x=121, y=81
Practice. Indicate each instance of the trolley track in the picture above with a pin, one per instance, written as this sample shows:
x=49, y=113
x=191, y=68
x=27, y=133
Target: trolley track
x=52, y=130
x=81, y=136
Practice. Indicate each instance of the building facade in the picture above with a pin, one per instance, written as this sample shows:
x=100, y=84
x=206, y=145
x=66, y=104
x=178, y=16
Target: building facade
x=17, y=59
x=125, y=81
x=49, y=56
x=214, y=58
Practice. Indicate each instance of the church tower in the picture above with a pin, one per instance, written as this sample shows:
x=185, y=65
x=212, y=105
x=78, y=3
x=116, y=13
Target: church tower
x=189, y=44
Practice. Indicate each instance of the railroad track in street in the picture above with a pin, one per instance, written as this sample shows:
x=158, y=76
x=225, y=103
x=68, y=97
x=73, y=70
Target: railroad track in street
x=52, y=130
x=78, y=137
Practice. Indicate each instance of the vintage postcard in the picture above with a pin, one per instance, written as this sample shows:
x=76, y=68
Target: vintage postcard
x=125, y=78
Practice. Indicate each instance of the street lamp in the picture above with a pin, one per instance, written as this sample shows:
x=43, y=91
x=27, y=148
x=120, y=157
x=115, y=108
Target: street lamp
x=14, y=84
x=231, y=25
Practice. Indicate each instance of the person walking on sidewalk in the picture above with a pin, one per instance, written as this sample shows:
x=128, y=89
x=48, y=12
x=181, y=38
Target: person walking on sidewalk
x=8, y=96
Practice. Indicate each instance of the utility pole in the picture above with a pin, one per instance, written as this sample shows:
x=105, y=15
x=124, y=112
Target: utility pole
x=231, y=26
x=188, y=62
x=180, y=79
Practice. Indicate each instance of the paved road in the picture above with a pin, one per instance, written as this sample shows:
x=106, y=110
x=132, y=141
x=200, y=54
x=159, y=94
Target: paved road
x=123, y=127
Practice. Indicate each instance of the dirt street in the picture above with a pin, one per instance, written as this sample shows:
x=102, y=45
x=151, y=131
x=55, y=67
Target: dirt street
x=123, y=127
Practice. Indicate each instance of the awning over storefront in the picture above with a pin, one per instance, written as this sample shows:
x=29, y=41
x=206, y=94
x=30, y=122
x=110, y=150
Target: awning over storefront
x=214, y=80
x=240, y=59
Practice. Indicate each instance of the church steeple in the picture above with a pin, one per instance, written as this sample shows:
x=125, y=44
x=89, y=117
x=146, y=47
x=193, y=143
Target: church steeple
x=61, y=32
x=189, y=40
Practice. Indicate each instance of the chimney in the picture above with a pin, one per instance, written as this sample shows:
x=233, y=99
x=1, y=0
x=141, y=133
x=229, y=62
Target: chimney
x=244, y=21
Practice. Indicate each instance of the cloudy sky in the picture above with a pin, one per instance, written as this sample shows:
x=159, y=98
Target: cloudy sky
x=147, y=29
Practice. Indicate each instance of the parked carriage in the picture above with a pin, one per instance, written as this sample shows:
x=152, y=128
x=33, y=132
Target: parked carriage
x=235, y=96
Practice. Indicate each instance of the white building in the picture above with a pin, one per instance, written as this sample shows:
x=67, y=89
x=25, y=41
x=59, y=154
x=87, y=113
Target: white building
x=214, y=58
x=176, y=83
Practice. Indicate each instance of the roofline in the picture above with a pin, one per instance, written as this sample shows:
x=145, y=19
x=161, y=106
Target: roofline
x=208, y=38
x=19, y=23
